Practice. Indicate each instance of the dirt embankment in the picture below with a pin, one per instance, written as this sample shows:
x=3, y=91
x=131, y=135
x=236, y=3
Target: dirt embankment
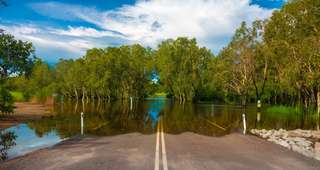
x=25, y=111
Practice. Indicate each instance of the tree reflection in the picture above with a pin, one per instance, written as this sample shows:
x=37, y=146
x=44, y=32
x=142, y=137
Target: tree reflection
x=198, y=119
x=7, y=140
x=106, y=119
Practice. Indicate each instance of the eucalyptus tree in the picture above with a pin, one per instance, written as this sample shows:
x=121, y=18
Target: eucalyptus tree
x=41, y=80
x=99, y=74
x=71, y=77
x=260, y=63
x=293, y=36
x=236, y=58
x=181, y=65
x=273, y=60
x=132, y=70
x=63, y=86
x=111, y=73
x=77, y=76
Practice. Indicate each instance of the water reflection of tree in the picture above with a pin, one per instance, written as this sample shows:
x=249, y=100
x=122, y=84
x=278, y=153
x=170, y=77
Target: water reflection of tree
x=179, y=118
x=7, y=140
x=194, y=118
x=107, y=119
x=117, y=118
x=281, y=120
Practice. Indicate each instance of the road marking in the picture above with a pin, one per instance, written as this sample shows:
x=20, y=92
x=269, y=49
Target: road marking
x=156, y=162
x=164, y=154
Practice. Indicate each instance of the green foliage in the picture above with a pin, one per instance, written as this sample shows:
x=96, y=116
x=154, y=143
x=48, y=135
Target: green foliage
x=14, y=60
x=160, y=94
x=39, y=84
x=111, y=73
x=17, y=96
x=182, y=67
x=41, y=81
x=292, y=36
x=6, y=100
x=14, y=56
x=283, y=110
x=276, y=61
x=303, y=117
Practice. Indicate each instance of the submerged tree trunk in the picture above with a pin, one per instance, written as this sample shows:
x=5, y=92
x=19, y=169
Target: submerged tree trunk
x=318, y=98
x=76, y=93
x=98, y=96
x=243, y=100
x=87, y=97
x=83, y=94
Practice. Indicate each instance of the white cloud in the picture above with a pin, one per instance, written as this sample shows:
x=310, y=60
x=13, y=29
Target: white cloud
x=84, y=31
x=212, y=22
x=52, y=44
x=24, y=30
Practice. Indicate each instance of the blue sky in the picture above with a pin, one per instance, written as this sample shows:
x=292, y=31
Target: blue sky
x=66, y=29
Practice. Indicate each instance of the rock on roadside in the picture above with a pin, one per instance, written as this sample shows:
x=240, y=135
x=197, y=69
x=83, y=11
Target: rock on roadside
x=306, y=142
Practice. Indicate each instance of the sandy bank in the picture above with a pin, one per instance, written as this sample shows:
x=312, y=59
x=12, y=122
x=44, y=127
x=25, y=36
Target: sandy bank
x=25, y=111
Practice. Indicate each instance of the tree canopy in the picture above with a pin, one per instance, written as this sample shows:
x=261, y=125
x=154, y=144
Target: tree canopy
x=182, y=67
x=276, y=61
x=16, y=58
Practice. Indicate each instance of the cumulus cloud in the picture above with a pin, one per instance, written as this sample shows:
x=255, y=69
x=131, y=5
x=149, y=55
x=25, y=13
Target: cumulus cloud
x=53, y=43
x=148, y=22
x=85, y=31
x=212, y=22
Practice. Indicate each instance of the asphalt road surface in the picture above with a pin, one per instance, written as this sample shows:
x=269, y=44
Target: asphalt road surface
x=162, y=151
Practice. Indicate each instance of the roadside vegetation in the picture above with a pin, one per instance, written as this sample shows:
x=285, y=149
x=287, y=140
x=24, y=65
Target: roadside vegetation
x=276, y=61
x=284, y=110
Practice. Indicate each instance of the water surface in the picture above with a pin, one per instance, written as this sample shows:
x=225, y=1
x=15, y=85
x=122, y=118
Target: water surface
x=107, y=119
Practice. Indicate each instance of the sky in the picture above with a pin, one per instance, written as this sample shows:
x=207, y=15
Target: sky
x=67, y=28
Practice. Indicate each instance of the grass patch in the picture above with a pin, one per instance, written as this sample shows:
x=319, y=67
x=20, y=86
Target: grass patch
x=17, y=96
x=283, y=110
x=290, y=117
x=159, y=94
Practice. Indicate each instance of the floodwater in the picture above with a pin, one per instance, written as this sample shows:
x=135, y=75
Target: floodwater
x=107, y=119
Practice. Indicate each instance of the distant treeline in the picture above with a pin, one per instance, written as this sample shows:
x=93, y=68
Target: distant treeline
x=276, y=61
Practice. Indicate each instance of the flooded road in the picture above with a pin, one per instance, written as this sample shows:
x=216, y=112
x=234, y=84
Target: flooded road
x=185, y=151
x=107, y=119
x=121, y=118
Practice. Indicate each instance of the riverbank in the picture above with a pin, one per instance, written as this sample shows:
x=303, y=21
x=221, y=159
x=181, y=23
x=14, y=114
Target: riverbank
x=25, y=111
x=306, y=142
x=184, y=151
